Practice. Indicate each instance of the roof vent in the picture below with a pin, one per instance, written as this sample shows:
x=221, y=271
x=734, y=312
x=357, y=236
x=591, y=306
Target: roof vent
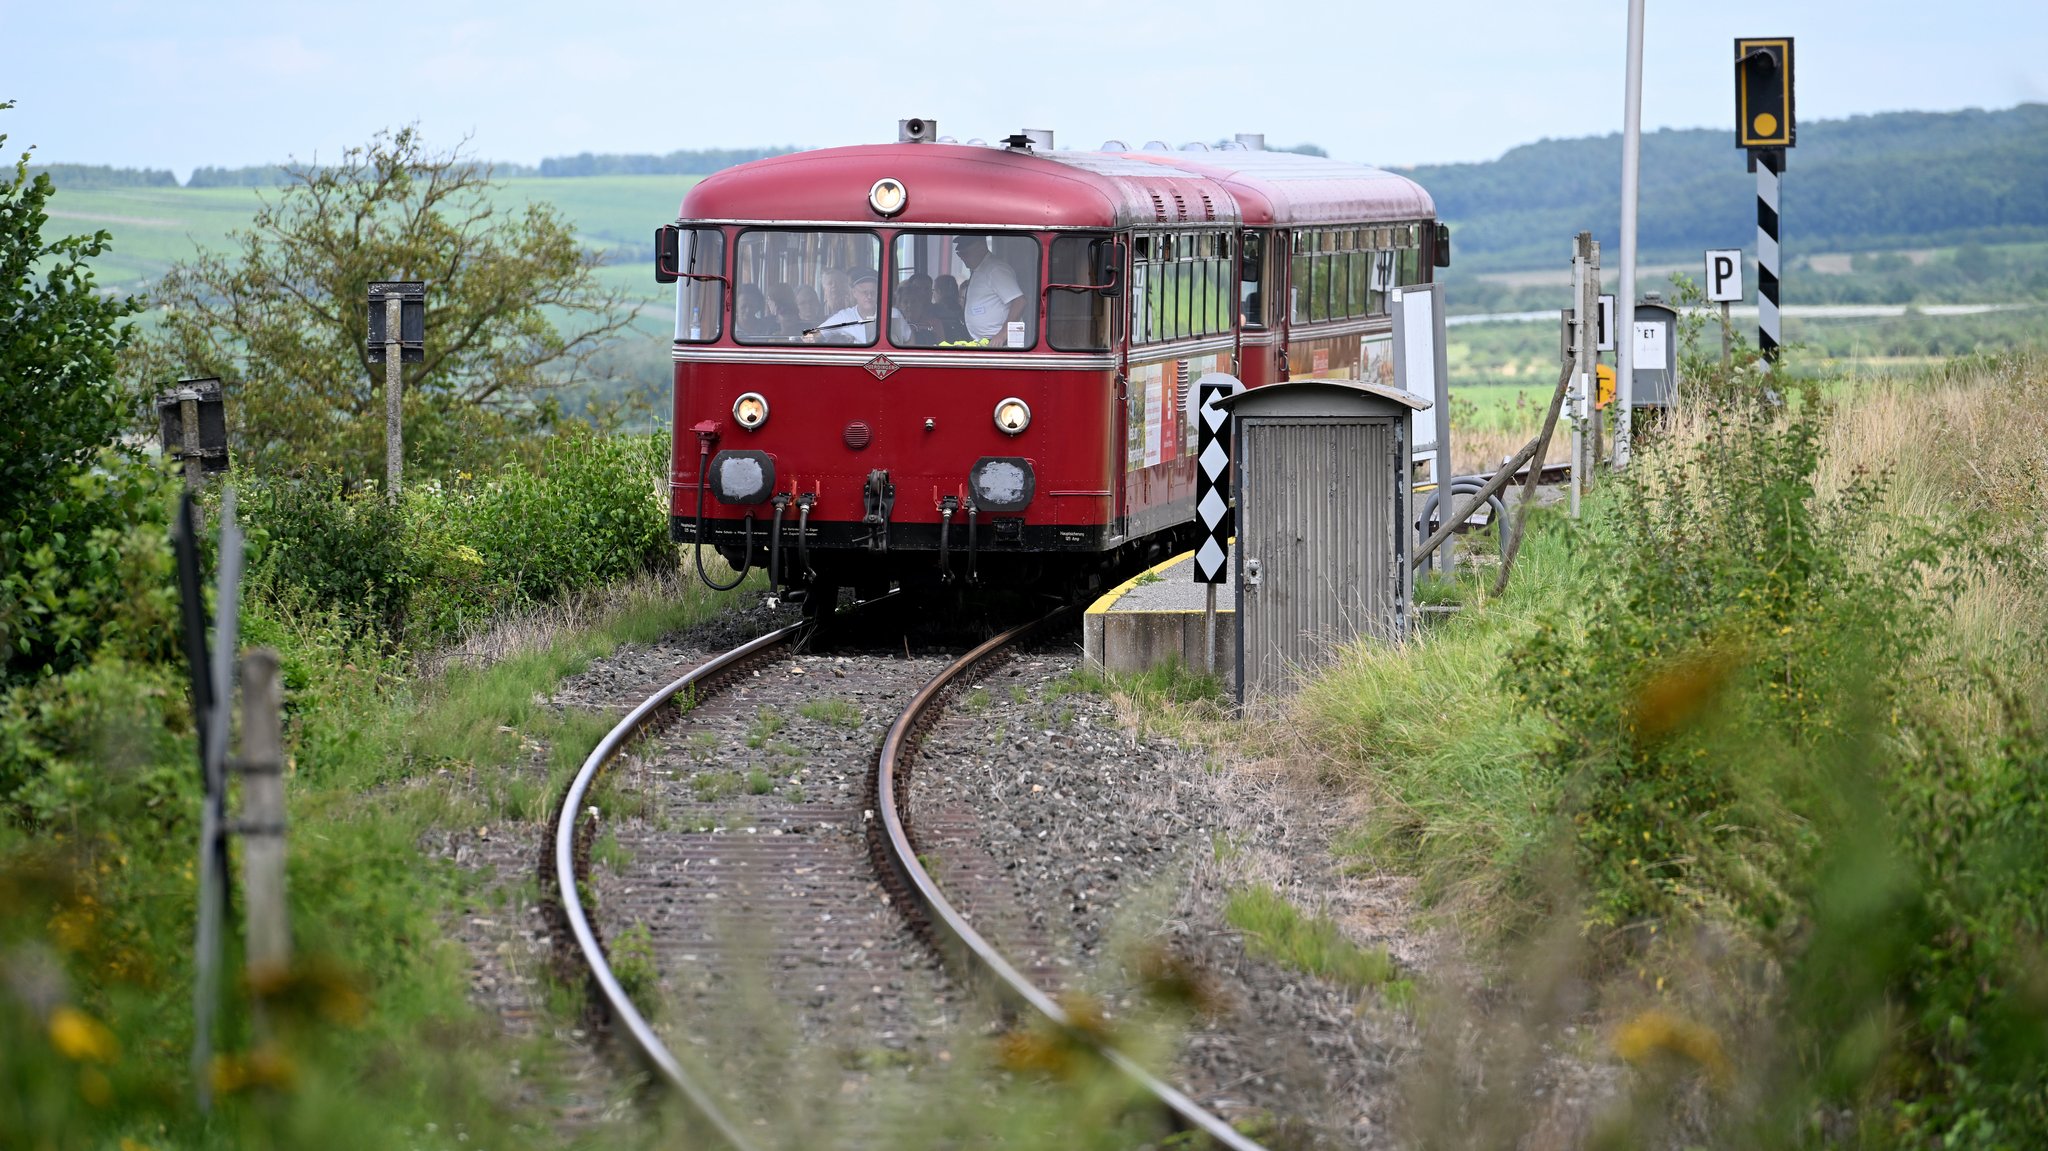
x=917, y=130
x=1194, y=146
x=1252, y=141
x=1180, y=205
x=976, y=142
x=1157, y=146
x=1115, y=146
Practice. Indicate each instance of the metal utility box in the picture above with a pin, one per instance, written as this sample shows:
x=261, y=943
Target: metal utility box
x=1322, y=481
x=1656, y=355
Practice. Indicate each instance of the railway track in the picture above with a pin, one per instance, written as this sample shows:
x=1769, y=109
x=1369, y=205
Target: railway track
x=822, y=896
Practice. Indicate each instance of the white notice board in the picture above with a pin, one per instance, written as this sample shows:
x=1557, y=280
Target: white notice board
x=1419, y=367
x=1651, y=352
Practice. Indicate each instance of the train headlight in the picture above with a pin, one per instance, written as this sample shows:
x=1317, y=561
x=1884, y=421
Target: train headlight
x=750, y=410
x=888, y=196
x=1013, y=415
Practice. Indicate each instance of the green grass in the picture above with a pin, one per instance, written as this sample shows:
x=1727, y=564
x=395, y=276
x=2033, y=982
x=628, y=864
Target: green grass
x=834, y=711
x=378, y=1040
x=1275, y=929
x=1429, y=730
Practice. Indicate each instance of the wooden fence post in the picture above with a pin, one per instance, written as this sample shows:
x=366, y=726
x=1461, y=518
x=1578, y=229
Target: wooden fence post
x=262, y=825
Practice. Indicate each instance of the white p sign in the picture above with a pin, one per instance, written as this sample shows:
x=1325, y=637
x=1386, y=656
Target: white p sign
x=1724, y=275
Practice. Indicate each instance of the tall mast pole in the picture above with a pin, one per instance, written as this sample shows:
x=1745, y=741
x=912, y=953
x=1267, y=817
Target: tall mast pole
x=1625, y=305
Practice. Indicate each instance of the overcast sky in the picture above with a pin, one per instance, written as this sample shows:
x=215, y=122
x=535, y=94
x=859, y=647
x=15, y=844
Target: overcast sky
x=176, y=84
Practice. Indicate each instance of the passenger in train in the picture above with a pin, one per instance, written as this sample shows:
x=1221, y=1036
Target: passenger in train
x=946, y=310
x=808, y=310
x=992, y=297
x=912, y=301
x=837, y=288
x=782, y=312
x=751, y=320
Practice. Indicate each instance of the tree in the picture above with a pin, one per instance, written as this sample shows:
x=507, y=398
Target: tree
x=283, y=317
x=60, y=342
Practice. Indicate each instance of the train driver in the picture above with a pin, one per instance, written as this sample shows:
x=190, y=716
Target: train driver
x=854, y=324
x=992, y=298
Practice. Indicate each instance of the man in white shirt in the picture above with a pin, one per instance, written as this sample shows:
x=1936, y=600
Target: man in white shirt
x=992, y=298
x=851, y=325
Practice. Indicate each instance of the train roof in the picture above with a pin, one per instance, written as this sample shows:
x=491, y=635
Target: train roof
x=980, y=186
x=1290, y=188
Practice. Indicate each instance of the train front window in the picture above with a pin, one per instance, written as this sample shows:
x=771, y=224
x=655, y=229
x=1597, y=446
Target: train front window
x=699, y=302
x=968, y=290
x=806, y=286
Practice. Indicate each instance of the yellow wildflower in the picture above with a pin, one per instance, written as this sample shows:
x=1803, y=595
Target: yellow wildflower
x=1654, y=1031
x=82, y=1038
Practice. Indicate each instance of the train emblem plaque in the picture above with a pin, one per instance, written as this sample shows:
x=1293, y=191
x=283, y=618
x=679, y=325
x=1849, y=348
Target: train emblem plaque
x=882, y=366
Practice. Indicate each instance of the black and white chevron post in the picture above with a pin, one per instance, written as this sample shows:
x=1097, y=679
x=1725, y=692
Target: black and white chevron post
x=1770, y=165
x=1212, y=483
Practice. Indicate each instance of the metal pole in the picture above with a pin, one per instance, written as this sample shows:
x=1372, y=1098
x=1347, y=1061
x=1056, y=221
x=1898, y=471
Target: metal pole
x=394, y=382
x=1209, y=631
x=269, y=942
x=1585, y=338
x=1625, y=304
x=1727, y=338
x=1767, y=164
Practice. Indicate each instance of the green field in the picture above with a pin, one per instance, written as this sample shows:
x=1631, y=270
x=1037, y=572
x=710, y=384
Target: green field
x=154, y=227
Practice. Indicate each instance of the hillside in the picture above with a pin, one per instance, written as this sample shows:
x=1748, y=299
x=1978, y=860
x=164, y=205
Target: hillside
x=1897, y=180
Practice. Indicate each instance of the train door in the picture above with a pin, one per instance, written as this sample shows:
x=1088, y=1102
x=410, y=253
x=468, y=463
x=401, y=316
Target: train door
x=1280, y=270
x=1120, y=403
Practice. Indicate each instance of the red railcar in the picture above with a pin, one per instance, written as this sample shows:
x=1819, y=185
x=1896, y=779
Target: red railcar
x=842, y=418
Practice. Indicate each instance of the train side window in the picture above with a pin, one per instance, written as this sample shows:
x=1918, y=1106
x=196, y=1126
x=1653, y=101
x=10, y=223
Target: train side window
x=1251, y=280
x=1383, y=277
x=1300, y=282
x=1077, y=318
x=700, y=304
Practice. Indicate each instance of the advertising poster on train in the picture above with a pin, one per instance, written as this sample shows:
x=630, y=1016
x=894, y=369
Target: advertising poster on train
x=1378, y=357
x=1155, y=409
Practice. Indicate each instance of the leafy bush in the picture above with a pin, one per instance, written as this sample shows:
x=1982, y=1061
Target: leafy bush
x=318, y=541
x=586, y=513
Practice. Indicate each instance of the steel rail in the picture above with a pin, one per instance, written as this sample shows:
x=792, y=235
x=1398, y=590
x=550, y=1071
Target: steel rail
x=622, y=1008
x=943, y=917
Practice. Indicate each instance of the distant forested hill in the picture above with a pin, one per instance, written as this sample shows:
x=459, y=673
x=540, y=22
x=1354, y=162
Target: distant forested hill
x=1897, y=180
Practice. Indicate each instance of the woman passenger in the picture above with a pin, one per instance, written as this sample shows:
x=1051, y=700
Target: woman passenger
x=782, y=311
x=837, y=287
x=912, y=300
x=946, y=309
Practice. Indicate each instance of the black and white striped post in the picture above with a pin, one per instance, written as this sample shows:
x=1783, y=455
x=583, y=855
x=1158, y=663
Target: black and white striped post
x=1212, y=498
x=1764, y=127
x=1768, y=164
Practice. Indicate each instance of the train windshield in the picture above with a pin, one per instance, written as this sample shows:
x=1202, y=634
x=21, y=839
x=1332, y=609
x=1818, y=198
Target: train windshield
x=805, y=286
x=698, y=301
x=967, y=290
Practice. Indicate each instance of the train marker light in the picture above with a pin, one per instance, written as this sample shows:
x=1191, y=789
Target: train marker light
x=1013, y=415
x=888, y=196
x=750, y=410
